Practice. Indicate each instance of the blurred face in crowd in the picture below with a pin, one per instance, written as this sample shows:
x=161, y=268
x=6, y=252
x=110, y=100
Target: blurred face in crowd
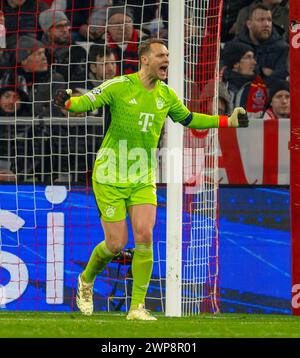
x=120, y=27
x=156, y=61
x=10, y=101
x=36, y=62
x=281, y=104
x=260, y=25
x=105, y=68
x=247, y=64
x=15, y=3
x=60, y=33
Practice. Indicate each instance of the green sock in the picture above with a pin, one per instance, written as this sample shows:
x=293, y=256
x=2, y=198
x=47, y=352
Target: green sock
x=100, y=257
x=141, y=271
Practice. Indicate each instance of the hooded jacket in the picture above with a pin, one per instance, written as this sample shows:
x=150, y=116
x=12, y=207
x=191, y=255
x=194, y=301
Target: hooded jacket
x=271, y=53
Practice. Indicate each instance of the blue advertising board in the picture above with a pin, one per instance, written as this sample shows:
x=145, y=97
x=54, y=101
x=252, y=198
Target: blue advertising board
x=46, y=239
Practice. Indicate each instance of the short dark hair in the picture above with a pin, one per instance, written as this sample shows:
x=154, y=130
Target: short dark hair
x=258, y=6
x=98, y=51
x=145, y=46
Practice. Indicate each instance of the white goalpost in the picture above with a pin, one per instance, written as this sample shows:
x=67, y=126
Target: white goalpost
x=49, y=221
x=192, y=269
x=174, y=187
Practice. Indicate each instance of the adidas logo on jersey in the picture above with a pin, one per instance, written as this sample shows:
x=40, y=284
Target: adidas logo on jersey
x=133, y=101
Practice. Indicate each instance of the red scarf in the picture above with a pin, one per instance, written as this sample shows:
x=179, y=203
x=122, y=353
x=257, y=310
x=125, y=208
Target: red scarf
x=257, y=96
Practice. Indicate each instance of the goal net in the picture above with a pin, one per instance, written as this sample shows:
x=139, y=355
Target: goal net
x=49, y=222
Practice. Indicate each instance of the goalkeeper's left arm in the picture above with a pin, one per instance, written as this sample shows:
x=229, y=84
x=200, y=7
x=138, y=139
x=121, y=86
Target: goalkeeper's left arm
x=238, y=118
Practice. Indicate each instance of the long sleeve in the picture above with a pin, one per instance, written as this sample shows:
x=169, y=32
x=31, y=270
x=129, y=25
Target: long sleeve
x=79, y=104
x=94, y=99
x=201, y=121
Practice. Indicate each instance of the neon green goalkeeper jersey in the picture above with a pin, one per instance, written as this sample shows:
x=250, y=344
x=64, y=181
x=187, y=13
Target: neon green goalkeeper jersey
x=128, y=152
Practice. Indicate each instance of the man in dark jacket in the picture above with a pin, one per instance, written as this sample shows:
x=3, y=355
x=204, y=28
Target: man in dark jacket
x=270, y=49
x=21, y=18
x=280, y=15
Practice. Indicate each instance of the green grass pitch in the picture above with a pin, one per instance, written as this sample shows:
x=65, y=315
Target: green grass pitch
x=114, y=325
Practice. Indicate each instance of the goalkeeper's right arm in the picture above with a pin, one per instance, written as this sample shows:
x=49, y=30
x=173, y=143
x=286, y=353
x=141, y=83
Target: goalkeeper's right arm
x=61, y=97
x=88, y=102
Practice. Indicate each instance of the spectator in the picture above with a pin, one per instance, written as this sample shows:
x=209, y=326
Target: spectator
x=205, y=98
x=123, y=39
x=87, y=17
x=13, y=97
x=34, y=70
x=271, y=51
x=70, y=62
x=102, y=65
x=33, y=67
x=245, y=87
x=5, y=63
x=150, y=14
x=279, y=102
x=230, y=11
x=21, y=19
x=280, y=15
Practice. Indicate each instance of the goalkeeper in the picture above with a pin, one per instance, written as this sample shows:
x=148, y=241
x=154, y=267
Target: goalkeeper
x=139, y=104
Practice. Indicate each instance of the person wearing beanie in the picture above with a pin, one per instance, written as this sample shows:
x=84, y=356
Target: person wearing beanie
x=245, y=86
x=87, y=17
x=279, y=101
x=233, y=53
x=36, y=72
x=13, y=94
x=57, y=39
x=31, y=55
x=123, y=38
x=56, y=26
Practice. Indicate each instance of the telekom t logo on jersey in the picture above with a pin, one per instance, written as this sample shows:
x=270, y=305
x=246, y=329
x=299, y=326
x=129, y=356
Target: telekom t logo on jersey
x=146, y=121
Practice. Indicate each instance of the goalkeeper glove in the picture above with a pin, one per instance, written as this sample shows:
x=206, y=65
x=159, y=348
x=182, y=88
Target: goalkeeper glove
x=238, y=118
x=61, y=97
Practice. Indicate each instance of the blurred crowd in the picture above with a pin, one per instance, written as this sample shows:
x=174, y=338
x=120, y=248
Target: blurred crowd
x=50, y=44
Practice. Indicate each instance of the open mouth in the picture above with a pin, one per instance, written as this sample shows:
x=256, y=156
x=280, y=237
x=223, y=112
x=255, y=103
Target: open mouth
x=163, y=69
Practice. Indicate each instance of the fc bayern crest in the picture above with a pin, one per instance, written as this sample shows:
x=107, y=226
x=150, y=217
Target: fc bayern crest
x=160, y=103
